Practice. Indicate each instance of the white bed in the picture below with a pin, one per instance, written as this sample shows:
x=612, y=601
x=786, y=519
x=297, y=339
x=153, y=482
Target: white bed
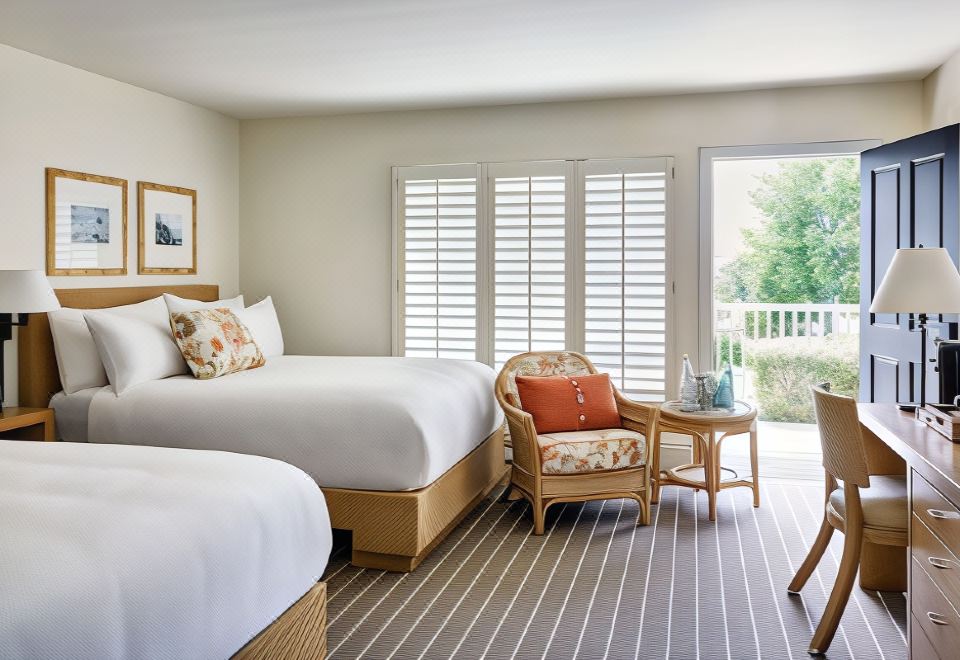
x=370, y=423
x=133, y=552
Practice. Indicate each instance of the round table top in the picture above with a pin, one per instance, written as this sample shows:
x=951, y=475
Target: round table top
x=741, y=410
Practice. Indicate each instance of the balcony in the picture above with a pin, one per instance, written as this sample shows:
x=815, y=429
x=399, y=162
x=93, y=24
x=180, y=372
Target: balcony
x=776, y=352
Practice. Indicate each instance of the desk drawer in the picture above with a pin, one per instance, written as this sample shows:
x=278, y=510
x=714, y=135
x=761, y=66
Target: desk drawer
x=920, y=646
x=934, y=614
x=939, y=563
x=937, y=513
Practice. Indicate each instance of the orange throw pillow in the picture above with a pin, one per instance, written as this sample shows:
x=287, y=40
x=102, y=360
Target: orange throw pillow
x=577, y=403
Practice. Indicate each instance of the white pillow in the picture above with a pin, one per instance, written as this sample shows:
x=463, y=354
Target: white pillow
x=177, y=304
x=78, y=360
x=135, y=350
x=264, y=326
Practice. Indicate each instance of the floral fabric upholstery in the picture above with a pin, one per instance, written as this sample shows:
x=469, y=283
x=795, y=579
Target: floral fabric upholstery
x=214, y=342
x=591, y=451
x=546, y=364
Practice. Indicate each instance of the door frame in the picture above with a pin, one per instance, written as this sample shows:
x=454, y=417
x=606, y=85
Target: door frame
x=708, y=155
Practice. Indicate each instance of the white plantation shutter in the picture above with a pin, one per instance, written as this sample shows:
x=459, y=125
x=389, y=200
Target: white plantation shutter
x=501, y=258
x=625, y=260
x=437, y=236
x=529, y=216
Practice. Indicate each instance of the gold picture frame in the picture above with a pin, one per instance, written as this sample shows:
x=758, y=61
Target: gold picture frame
x=169, y=246
x=81, y=233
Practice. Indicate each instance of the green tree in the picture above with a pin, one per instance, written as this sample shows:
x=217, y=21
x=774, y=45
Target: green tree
x=807, y=248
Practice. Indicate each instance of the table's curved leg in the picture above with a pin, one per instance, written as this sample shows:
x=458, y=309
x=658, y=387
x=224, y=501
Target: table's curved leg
x=754, y=464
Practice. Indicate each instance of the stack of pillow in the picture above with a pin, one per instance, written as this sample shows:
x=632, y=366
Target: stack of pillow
x=162, y=337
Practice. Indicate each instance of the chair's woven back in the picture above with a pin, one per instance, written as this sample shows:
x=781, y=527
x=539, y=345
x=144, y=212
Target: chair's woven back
x=541, y=363
x=843, y=453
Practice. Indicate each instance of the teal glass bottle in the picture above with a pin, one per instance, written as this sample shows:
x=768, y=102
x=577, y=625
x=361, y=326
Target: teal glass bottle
x=723, y=398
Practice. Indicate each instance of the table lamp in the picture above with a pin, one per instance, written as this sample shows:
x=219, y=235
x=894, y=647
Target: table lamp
x=919, y=281
x=22, y=292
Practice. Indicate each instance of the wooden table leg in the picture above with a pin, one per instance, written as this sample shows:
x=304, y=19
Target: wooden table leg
x=754, y=465
x=711, y=474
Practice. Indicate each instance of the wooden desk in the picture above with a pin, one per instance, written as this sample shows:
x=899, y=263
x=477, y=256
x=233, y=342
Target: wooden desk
x=934, y=491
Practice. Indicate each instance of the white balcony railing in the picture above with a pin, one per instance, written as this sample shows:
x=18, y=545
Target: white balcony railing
x=769, y=320
x=737, y=324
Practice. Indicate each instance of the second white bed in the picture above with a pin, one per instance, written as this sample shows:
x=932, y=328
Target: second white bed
x=131, y=552
x=371, y=423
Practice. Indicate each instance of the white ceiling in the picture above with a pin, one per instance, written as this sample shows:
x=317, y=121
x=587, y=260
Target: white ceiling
x=264, y=58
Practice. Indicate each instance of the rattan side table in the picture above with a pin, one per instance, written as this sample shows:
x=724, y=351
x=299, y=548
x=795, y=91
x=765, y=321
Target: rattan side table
x=706, y=472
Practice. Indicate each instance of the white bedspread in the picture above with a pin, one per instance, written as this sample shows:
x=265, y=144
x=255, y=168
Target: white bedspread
x=137, y=552
x=373, y=423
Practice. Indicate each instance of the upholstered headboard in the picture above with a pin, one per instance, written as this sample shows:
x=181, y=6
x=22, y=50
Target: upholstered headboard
x=39, y=378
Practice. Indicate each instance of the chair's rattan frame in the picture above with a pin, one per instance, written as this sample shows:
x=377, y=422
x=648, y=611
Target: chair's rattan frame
x=527, y=479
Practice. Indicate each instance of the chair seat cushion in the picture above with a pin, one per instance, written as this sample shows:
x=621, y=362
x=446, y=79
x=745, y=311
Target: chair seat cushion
x=884, y=503
x=591, y=451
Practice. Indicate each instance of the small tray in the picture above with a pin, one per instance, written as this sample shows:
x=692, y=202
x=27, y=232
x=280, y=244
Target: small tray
x=942, y=418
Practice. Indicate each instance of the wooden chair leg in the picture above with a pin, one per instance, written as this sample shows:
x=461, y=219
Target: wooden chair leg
x=813, y=557
x=539, y=516
x=653, y=483
x=643, y=507
x=849, y=563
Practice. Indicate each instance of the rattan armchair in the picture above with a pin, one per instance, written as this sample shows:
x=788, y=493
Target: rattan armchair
x=623, y=472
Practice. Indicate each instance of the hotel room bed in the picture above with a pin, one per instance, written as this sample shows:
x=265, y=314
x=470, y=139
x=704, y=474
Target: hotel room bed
x=141, y=552
x=402, y=447
x=370, y=423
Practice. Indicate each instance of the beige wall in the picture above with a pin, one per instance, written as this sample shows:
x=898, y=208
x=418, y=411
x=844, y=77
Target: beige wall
x=941, y=95
x=53, y=115
x=315, y=192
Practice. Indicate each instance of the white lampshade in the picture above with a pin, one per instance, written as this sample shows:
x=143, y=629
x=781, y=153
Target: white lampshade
x=26, y=292
x=919, y=280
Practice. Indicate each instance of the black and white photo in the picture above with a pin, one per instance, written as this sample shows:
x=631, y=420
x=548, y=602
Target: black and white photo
x=169, y=229
x=89, y=224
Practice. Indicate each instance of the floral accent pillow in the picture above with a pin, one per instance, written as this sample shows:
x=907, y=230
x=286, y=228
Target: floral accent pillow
x=214, y=342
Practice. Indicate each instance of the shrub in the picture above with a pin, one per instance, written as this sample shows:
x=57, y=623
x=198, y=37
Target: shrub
x=784, y=369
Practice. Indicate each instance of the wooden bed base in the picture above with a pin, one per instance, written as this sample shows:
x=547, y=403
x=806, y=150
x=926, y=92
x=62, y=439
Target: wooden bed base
x=393, y=531
x=300, y=632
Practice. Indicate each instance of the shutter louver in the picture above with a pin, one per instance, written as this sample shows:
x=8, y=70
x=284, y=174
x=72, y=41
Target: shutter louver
x=625, y=278
x=529, y=214
x=439, y=266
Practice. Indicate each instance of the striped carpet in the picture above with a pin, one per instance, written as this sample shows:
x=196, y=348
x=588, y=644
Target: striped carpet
x=596, y=586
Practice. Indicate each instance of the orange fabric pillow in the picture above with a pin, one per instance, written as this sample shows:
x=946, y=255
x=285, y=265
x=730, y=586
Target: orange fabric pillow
x=577, y=403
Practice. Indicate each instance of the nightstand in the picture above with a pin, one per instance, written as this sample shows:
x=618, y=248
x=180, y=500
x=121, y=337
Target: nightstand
x=27, y=424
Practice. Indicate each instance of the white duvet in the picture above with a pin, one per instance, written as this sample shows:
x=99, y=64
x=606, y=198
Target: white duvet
x=141, y=552
x=374, y=423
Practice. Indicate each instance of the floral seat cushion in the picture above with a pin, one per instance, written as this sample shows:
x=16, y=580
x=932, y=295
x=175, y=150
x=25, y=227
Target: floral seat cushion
x=591, y=451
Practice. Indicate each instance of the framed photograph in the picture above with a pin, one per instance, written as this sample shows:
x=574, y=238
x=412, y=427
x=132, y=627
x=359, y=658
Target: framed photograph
x=86, y=224
x=168, y=229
